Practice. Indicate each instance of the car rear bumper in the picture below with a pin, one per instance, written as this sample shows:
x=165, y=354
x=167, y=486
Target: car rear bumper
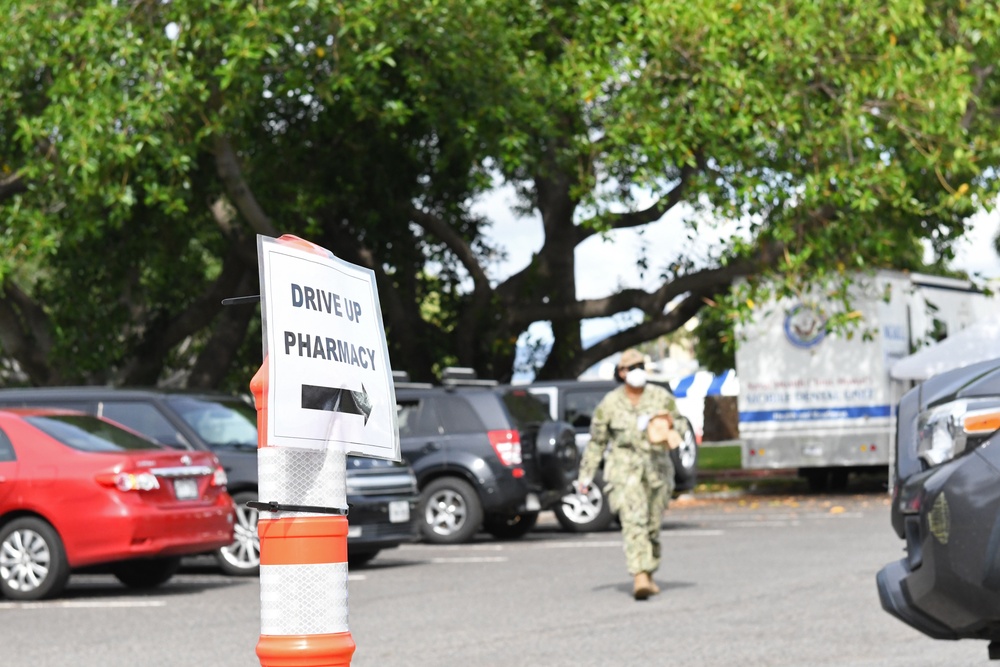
x=371, y=527
x=948, y=586
x=147, y=532
x=894, y=600
x=506, y=494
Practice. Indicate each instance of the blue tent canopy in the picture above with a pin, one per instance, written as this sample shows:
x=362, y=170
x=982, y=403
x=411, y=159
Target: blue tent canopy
x=703, y=383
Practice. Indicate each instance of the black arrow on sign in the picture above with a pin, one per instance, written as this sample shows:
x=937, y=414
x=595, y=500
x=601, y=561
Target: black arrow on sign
x=334, y=399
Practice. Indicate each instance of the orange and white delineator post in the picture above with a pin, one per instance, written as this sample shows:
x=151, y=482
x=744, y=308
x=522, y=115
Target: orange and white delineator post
x=303, y=556
x=303, y=544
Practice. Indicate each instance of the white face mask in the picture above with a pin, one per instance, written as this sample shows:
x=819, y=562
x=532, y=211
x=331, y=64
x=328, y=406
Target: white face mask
x=636, y=378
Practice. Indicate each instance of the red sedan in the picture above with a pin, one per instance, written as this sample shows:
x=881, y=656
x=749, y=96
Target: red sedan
x=79, y=491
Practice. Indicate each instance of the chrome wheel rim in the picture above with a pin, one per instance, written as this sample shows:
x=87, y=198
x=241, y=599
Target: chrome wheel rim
x=244, y=552
x=25, y=560
x=582, y=508
x=446, y=512
x=688, y=450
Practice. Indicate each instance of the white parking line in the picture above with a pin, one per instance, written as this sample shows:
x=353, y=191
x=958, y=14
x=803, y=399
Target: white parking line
x=578, y=544
x=763, y=516
x=765, y=523
x=84, y=604
x=472, y=559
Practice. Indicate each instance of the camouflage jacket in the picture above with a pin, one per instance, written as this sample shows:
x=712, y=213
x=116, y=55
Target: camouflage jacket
x=620, y=427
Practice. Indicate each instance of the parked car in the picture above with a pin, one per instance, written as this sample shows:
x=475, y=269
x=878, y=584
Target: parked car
x=574, y=401
x=946, y=506
x=79, y=491
x=381, y=494
x=486, y=457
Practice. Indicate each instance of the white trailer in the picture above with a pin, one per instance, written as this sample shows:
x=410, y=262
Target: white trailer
x=824, y=403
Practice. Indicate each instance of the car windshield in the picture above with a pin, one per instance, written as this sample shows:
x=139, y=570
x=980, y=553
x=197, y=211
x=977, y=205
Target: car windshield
x=524, y=407
x=90, y=434
x=220, y=423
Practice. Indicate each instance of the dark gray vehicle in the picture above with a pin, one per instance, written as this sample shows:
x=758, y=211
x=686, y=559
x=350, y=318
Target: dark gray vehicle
x=382, y=495
x=574, y=401
x=485, y=457
x=946, y=506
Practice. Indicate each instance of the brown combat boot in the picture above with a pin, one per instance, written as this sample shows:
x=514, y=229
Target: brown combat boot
x=652, y=585
x=643, y=587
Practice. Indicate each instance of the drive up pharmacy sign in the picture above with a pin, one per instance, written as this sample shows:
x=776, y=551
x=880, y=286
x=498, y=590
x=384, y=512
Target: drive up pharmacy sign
x=330, y=379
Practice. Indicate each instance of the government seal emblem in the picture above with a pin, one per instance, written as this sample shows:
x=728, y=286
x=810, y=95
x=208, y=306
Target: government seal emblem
x=804, y=327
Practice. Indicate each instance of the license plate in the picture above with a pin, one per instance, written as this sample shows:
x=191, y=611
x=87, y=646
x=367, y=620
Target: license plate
x=185, y=489
x=354, y=531
x=399, y=511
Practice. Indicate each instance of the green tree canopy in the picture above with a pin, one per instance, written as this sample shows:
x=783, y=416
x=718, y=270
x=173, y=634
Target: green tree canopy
x=143, y=144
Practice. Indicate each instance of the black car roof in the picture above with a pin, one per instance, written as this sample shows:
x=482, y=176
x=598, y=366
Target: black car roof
x=97, y=392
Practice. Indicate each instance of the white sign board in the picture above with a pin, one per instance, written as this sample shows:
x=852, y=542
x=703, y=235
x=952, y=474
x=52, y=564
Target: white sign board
x=329, y=376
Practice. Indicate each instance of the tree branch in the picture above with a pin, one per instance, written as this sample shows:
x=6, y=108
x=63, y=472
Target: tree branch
x=640, y=333
x=646, y=216
x=227, y=165
x=25, y=334
x=699, y=282
x=447, y=235
x=11, y=185
x=228, y=332
x=146, y=364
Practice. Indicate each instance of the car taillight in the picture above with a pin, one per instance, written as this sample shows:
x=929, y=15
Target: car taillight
x=507, y=445
x=909, y=499
x=127, y=481
x=219, y=478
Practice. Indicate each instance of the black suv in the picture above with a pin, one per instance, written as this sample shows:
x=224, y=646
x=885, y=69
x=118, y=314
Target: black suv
x=574, y=401
x=381, y=494
x=946, y=506
x=485, y=457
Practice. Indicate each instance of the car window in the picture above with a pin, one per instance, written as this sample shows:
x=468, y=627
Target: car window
x=580, y=406
x=417, y=417
x=219, y=423
x=6, y=448
x=457, y=416
x=89, y=434
x=525, y=407
x=146, y=419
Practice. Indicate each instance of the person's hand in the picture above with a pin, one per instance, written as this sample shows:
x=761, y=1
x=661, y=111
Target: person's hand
x=582, y=487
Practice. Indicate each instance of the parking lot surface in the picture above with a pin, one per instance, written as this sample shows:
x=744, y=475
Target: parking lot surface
x=751, y=580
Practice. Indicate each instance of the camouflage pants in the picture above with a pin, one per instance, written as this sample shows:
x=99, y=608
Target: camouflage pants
x=640, y=500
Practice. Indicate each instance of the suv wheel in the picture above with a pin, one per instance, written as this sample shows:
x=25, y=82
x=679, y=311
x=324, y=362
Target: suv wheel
x=510, y=527
x=589, y=513
x=242, y=557
x=449, y=511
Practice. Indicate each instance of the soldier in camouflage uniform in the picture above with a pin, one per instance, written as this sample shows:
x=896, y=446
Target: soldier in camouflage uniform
x=638, y=475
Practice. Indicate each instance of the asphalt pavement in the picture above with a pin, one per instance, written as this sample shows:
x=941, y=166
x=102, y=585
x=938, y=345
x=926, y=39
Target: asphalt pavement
x=757, y=579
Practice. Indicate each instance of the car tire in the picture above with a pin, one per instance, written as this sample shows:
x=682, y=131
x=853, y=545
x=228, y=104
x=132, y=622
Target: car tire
x=685, y=458
x=585, y=514
x=360, y=559
x=449, y=511
x=33, y=563
x=242, y=557
x=144, y=573
x=510, y=527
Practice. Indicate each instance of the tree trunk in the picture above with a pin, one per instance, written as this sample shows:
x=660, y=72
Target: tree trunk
x=215, y=360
